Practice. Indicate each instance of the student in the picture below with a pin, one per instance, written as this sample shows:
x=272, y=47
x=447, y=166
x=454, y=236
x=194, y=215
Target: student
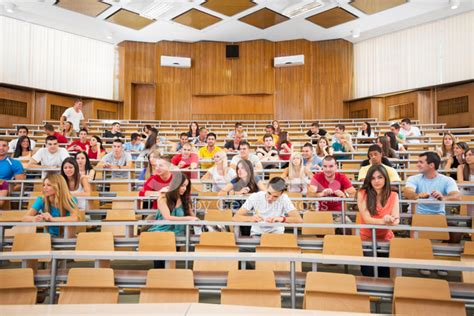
x=272, y=206
x=187, y=160
x=395, y=129
x=78, y=185
x=21, y=131
x=384, y=160
x=284, y=147
x=276, y=127
x=117, y=159
x=296, y=175
x=322, y=147
x=220, y=174
x=49, y=130
x=149, y=169
x=339, y=132
x=85, y=167
x=135, y=144
x=387, y=150
x=269, y=130
x=268, y=151
x=233, y=145
x=183, y=139
x=160, y=178
x=9, y=169
x=244, y=153
x=82, y=144
x=68, y=130
x=238, y=129
x=96, y=149
x=50, y=157
x=366, y=131
x=245, y=182
x=207, y=152
x=457, y=159
x=310, y=159
x=342, y=144
x=375, y=157
x=407, y=130
x=56, y=204
x=465, y=171
x=446, y=150
x=201, y=139
x=115, y=132
x=193, y=130
x=393, y=141
x=74, y=115
x=315, y=132
x=23, y=150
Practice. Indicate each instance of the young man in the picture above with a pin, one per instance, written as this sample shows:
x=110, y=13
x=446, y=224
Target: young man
x=9, y=168
x=268, y=152
x=238, y=129
x=340, y=129
x=74, y=115
x=315, y=132
x=49, y=130
x=233, y=145
x=331, y=183
x=244, y=153
x=271, y=206
x=430, y=185
x=117, y=159
x=21, y=131
x=269, y=129
x=160, y=179
x=135, y=144
x=114, y=133
x=395, y=128
x=50, y=157
x=375, y=157
x=187, y=159
x=310, y=159
x=82, y=144
x=408, y=131
x=183, y=139
x=201, y=140
x=207, y=152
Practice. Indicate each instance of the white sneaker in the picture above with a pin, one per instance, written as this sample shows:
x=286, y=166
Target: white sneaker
x=425, y=272
x=442, y=273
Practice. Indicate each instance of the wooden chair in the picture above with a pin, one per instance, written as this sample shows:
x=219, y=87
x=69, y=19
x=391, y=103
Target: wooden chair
x=96, y=241
x=421, y=220
x=17, y=286
x=216, y=242
x=464, y=208
x=32, y=242
x=342, y=245
x=277, y=243
x=120, y=187
x=206, y=204
x=318, y=218
x=125, y=205
x=410, y=248
x=334, y=292
x=120, y=215
x=251, y=288
x=158, y=241
x=219, y=216
x=12, y=216
x=12, y=232
x=94, y=204
x=468, y=256
x=169, y=286
x=89, y=286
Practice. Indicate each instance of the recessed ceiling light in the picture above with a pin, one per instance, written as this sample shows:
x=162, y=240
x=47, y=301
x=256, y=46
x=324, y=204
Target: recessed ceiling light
x=454, y=4
x=9, y=7
x=109, y=37
x=355, y=33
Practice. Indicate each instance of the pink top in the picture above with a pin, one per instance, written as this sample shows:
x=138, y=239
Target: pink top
x=382, y=234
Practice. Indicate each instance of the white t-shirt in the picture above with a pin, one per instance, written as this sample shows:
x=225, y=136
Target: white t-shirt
x=280, y=207
x=74, y=117
x=414, y=131
x=252, y=158
x=45, y=158
x=12, y=145
x=219, y=180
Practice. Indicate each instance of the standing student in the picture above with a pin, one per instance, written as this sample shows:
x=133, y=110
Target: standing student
x=78, y=185
x=74, y=115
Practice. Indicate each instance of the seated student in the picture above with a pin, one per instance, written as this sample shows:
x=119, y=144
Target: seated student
x=233, y=145
x=187, y=160
x=375, y=156
x=296, y=175
x=207, y=152
x=466, y=174
x=458, y=159
x=395, y=129
x=446, y=150
x=146, y=130
x=387, y=151
x=49, y=130
x=331, y=183
x=50, y=157
x=117, y=159
x=244, y=153
x=276, y=127
x=85, y=167
x=323, y=148
x=82, y=144
x=430, y=185
x=96, y=149
x=183, y=139
x=343, y=144
x=339, y=131
x=78, y=185
x=149, y=168
x=407, y=130
x=114, y=132
x=153, y=143
x=68, y=130
x=56, y=204
x=268, y=151
x=315, y=132
x=385, y=159
x=272, y=206
x=21, y=131
x=269, y=129
x=394, y=144
x=23, y=151
x=159, y=179
x=193, y=130
x=9, y=169
x=366, y=131
x=378, y=205
x=284, y=147
x=238, y=129
x=245, y=182
x=135, y=144
x=201, y=139
x=220, y=174
x=310, y=159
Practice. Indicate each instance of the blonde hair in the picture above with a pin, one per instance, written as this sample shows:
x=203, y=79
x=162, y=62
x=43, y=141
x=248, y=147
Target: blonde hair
x=293, y=172
x=224, y=160
x=63, y=199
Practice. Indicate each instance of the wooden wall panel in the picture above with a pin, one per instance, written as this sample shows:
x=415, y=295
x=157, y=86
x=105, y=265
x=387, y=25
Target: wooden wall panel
x=174, y=105
x=143, y=101
x=17, y=95
x=212, y=70
x=456, y=120
x=222, y=107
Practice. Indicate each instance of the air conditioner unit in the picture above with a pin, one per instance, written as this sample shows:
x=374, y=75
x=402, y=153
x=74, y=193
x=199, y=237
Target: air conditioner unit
x=172, y=61
x=288, y=61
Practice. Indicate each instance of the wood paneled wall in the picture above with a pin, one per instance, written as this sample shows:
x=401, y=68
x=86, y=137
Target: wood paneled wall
x=16, y=95
x=456, y=120
x=247, y=87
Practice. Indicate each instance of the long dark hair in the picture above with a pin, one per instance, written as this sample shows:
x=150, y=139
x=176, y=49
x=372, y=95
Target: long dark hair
x=151, y=139
x=19, y=149
x=282, y=139
x=466, y=172
x=371, y=194
x=172, y=196
x=190, y=132
x=88, y=165
x=369, y=129
x=76, y=176
x=250, y=182
x=393, y=140
x=387, y=151
x=97, y=138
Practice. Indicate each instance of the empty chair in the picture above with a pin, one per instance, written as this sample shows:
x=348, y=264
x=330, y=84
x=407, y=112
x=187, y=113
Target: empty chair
x=468, y=256
x=206, y=204
x=317, y=218
x=158, y=241
x=120, y=230
x=251, y=288
x=32, y=242
x=421, y=220
x=89, y=286
x=342, y=245
x=410, y=248
x=334, y=292
x=17, y=286
x=278, y=243
x=125, y=204
x=120, y=187
x=96, y=241
x=464, y=210
x=216, y=242
x=169, y=286
x=219, y=216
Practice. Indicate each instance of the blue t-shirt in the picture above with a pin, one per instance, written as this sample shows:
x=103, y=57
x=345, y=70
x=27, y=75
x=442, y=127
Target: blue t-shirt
x=130, y=147
x=439, y=183
x=38, y=205
x=9, y=168
x=177, y=229
x=316, y=161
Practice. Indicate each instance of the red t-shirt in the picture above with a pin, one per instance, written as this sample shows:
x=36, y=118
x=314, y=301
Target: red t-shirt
x=82, y=145
x=93, y=155
x=341, y=182
x=155, y=183
x=193, y=158
x=286, y=153
x=61, y=138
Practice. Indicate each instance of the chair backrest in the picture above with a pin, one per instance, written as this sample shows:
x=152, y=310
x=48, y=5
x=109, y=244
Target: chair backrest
x=32, y=242
x=251, y=280
x=217, y=239
x=331, y=282
x=343, y=245
x=170, y=278
x=422, y=288
x=311, y=217
x=17, y=286
x=95, y=203
x=422, y=220
x=95, y=241
x=120, y=215
x=279, y=240
x=12, y=216
x=414, y=306
x=216, y=242
x=12, y=232
x=157, y=241
x=464, y=208
x=411, y=248
x=294, y=194
x=119, y=187
x=91, y=277
x=468, y=248
x=218, y=215
x=203, y=203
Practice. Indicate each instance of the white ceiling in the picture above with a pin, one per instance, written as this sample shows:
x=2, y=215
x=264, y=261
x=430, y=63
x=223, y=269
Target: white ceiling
x=230, y=29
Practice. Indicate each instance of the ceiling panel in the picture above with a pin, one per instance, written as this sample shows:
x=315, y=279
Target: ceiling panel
x=374, y=6
x=88, y=7
x=227, y=7
x=332, y=17
x=264, y=18
x=129, y=19
x=196, y=19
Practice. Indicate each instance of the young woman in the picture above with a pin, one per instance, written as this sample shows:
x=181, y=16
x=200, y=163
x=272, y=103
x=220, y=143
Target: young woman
x=378, y=205
x=322, y=147
x=447, y=148
x=85, y=167
x=466, y=170
x=23, y=149
x=220, y=173
x=68, y=130
x=387, y=151
x=458, y=159
x=343, y=145
x=284, y=146
x=276, y=126
x=78, y=185
x=3, y=191
x=245, y=182
x=149, y=169
x=193, y=130
x=296, y=175
x=55, y=205
x=365, y=131
x=96, y=149
x=146, y=130
x=394, y=144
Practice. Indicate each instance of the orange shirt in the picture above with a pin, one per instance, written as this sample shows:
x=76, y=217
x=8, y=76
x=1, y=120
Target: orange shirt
x=382, y=234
